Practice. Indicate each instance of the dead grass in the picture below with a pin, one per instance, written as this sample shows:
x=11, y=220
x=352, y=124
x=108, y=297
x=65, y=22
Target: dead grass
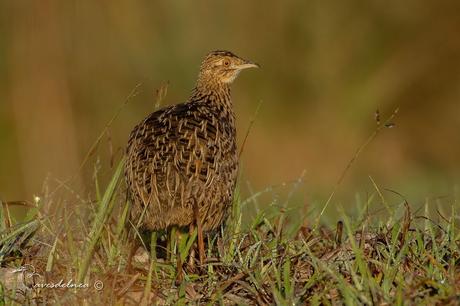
x=404, y=259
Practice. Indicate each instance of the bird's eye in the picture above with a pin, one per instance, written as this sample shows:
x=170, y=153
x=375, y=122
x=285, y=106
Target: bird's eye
x=226, y=63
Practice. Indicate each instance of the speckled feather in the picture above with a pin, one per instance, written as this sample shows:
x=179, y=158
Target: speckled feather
x=183, y=159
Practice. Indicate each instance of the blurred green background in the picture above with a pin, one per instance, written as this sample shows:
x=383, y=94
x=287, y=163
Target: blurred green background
x=327, y=66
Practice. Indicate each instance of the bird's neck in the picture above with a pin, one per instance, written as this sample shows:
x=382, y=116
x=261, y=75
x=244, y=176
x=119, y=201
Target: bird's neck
x=217, y=98
x=214, y=93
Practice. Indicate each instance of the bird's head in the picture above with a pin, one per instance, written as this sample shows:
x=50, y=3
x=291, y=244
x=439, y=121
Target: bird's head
x=223, y=67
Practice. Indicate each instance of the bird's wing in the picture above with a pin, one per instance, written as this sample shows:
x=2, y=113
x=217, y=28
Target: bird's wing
x=178, y=140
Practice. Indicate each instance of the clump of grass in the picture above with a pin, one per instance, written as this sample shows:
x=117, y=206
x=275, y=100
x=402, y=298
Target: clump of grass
x=365, y=260
x=272, y=257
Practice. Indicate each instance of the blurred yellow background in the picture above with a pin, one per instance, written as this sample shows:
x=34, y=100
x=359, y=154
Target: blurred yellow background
x=327, y=66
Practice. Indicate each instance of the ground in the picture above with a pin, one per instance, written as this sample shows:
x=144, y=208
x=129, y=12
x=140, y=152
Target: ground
x=396, y=257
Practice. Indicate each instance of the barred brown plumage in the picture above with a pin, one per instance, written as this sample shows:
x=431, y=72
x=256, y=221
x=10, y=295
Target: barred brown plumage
x=182, y=161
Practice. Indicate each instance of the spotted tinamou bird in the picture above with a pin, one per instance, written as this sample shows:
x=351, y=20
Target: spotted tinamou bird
x=182, y=160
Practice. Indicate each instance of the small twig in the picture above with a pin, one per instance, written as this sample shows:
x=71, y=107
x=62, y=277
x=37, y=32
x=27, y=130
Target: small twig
x=128, y=285
x=8, y=222
x=131, y=95
x=19, y=203
x=229, y=282
x=432, y=221
x=109, y=141
x=161, y=94
x=388, y=124
x=405, y=225
x=251, y=123
x=339, y=233
x=91, y=150
x=388, y=208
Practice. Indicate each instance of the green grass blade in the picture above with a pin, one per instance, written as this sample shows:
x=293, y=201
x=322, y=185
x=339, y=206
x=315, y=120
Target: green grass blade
x=104, y=209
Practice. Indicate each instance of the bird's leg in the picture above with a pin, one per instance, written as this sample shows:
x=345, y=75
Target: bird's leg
x=191, y=259
x=179, y=270
x=132, y=251
x=153, y=245
x=169, y=244
x=201, y=244
x=201, y=251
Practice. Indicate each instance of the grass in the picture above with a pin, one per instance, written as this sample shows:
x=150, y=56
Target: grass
x=76, y=250
x=275, y=259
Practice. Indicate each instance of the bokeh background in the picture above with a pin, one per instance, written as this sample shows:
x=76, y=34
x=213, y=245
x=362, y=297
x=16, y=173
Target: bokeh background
x=327, y=66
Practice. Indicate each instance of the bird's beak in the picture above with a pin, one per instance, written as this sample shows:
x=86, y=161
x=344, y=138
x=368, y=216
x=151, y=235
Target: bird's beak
x=247, y=64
